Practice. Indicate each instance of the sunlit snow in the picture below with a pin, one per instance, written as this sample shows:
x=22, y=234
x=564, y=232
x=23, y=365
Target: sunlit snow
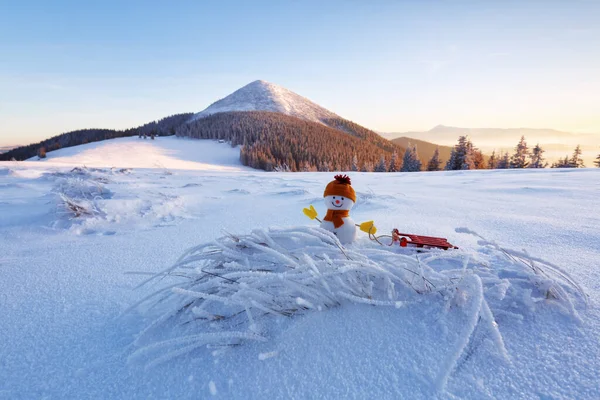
x=80, y=230
x=266, y=96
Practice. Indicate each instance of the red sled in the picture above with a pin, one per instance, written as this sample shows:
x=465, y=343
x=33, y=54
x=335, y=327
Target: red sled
x=406, y=239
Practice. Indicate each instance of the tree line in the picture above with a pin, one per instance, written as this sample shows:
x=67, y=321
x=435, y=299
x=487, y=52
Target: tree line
x=524, y=157
x=163, y=127
x=277, y=142
x=273, y=141
x=466, y=156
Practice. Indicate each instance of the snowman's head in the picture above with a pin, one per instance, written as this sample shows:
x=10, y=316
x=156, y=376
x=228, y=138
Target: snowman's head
x=339, y=194
x=338, y=203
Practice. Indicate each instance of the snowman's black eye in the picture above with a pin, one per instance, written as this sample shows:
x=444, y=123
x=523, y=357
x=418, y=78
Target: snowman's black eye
x=342, y=199
x=334, y=197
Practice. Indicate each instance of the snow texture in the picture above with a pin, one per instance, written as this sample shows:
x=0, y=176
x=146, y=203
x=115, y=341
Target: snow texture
x=506, y=318
x=133, y=152
x=265, y=96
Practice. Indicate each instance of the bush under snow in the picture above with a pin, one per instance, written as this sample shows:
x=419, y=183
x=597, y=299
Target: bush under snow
x=80, y=192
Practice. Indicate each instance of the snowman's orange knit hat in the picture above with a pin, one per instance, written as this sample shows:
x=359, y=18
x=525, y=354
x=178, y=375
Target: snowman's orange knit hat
x=340, y=187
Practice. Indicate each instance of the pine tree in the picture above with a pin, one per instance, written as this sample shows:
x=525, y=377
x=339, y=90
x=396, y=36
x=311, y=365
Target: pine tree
x=504, y=162
x=537, y=159
x=324, y=167
x=354, y=163
x=435, y=163
x=393, y=167
x=468, y=161
x=282, y=168
x=462, y=156
x=478, y=159
x=576, y=160
x=417, y=165
x=451, y=161
x=519, y=159
x=382, y=166
x=411, y=162
x=243, y=155
x=562, y=163
x=597, y=162
x=493, y=162
x=462, y=152
x=407, y=159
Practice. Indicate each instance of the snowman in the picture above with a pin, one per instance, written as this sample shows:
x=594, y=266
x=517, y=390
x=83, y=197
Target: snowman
x=339, y=199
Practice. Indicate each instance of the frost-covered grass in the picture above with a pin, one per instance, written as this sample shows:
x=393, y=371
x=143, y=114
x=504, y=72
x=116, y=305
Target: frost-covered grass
x=80, y=192
x=230, y=290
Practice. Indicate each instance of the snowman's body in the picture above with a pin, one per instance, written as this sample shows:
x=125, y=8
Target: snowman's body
x=346, y=232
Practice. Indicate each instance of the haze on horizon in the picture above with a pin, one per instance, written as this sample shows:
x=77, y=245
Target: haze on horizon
x=390, y=66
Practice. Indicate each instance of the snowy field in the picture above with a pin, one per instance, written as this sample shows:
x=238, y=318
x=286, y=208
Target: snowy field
x=134, y=152
x=73, y=227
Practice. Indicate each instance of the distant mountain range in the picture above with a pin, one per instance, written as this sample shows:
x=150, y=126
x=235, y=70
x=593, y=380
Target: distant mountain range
x=556, y=143
x=494, y=136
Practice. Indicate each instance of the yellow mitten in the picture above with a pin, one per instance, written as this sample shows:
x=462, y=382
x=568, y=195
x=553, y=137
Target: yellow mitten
x=368, y=227
x=310, y=212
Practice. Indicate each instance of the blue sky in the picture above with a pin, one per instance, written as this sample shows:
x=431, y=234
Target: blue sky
x=390, y=66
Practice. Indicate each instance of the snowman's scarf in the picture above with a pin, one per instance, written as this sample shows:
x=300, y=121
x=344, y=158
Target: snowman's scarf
x=336, y=216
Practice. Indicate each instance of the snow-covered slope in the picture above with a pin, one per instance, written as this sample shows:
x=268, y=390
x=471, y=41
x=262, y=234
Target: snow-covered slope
x=265, y=96
x=163, y=152
x=64, y=285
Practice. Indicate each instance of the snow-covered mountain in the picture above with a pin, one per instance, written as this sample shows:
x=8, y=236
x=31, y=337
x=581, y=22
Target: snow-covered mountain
x=265, y=96
x=268, y=118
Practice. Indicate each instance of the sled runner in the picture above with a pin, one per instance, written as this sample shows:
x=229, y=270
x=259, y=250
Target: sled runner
x=408, y=240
